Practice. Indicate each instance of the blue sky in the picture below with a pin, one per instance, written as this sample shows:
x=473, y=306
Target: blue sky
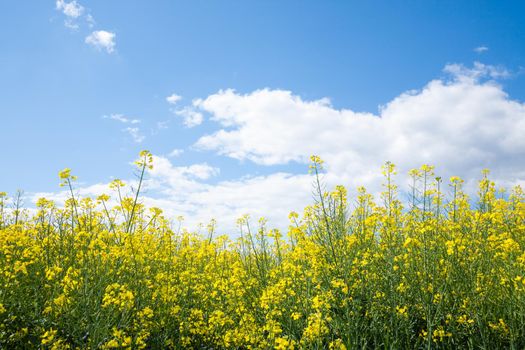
x=74, y=75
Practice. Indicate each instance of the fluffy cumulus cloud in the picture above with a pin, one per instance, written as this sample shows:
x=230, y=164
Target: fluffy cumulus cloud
x=272, y=196
x=461, y=124
x=163, y=169
x=102, y=40
x=71, y=9
x=173, y=99
x=73, y=12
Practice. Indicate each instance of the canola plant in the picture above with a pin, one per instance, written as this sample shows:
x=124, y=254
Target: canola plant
x=436, y=271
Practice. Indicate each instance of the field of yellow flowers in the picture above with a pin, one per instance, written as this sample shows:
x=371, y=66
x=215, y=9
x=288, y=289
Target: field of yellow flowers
x=435, y=271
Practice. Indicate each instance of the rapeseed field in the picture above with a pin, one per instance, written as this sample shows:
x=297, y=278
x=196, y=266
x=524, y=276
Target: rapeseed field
x=440, y=270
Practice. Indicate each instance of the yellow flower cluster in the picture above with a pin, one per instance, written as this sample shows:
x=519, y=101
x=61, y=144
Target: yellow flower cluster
x=432, y=271
x=119, y=296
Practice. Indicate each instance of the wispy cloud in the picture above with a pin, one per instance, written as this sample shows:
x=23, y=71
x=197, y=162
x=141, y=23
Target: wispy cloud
x=190, y=116
x=134, y=131
x=90, y=20
x=102, y=40
x=162, y=125
x=476, y=72
x=121, y=118
x=175, y=153
x=71, y=24
x=135, y=134
x=481, y=49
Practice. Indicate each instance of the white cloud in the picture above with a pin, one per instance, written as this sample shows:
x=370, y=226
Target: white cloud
x=162, y=125
x=71, y=24
x=190, y=116
x=121, y=118
x=71, y=9
x=477, y=72
x=272, y=196
x=175, y=153
x=481, y=49
x=164, y=168
x=183, y=191
x=461, y=125
x=173, y=99
x=135, y=133
x=75, y=14
x=90, y=20
x=102, y=40
x=61, y=196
